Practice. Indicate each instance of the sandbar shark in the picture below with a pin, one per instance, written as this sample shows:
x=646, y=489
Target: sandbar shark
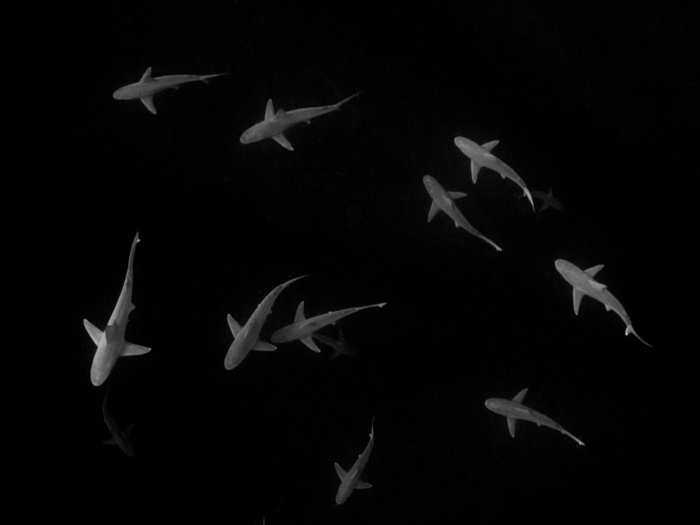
x=277, y=122
x=514, y=410
x=481, y=157
x=584, y=283
x=147, y=87
x=110, y=342
x=120, y=438
x=246, y=338
x=351, y=480
x=444, y=200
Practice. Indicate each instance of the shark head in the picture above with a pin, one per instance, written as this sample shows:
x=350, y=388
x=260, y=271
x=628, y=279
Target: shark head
x=252, y=134
x=466, y=146
x=119, y=94
x=563, y=267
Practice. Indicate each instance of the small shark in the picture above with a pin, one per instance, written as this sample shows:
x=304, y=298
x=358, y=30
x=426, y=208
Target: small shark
x=146, y=88
x=276, y=123
x=340, y=346
x=120, y=438
x=350, y=480
x=110, y=342
x=303, y=328
x=444, y=200
x=247, y=338
x=548, y=200
x=481, y=157
x=583, y=283
x=514, y=410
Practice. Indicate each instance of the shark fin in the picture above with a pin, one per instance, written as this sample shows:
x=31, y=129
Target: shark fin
x=233, y=325
x=474, y=167
x=146, y=75
x=454, y=195
x=299, y=315
x=309, y=343
x=629, y=330
x=132, y=349
x=577, y=300
x=94, y=332
x=363, y=485
x=595, y=284
x=282, y=141
x=511, y=425
x=280, y=113
x=520, y=396
x=339, y=470
x=433, y=210
x=262, y=346
x=269, y=110
x=148, y=102
x=593, y=270
x=488, y=146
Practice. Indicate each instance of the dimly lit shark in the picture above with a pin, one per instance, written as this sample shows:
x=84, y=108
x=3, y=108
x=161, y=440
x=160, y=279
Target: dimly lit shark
x=110, y=342
x=548, y=200
x=276, y=123
x=583, y=283
x=303, y=328
x=146, y=88
x=120, y=438
x=481, y=157
x=340, y=346
x=247, y=338
x=444, y=200
x=514, y=410
x=350, y=480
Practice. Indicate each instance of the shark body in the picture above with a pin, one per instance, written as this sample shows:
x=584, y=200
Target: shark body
x=444, y=200
x=481, y=157
x=111, y=343
x=351, y=479
x=514, y=410
x=583, y=283
x=148, y=86
x=277, y=122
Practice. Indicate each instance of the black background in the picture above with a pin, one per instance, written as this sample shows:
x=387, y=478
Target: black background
x=592, y=102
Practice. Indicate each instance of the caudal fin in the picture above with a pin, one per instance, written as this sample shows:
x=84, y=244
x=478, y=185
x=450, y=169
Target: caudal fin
x=339, y=104
x=206, y=78
x=629, y=330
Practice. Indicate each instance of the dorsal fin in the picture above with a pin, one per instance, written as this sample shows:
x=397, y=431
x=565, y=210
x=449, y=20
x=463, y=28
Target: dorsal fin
x=520, y=396
x=299, y=315
x=269, y=110
x=146, y=75
x=594, y=269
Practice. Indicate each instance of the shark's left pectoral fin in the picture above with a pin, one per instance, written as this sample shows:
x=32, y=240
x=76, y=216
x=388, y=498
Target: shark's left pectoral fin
x=94, y=332
x=282, y=141
x=454, y=195
x=433, y=210
x=577, y=300
x=233, y=325
x=309, y=343
x=363, y=485
x=132, y=349
x=474, y=168
x=511, y=426
x=262, y=346
x=150, y=106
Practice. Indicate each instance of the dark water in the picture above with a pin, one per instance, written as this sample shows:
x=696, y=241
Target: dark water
x=583, y=103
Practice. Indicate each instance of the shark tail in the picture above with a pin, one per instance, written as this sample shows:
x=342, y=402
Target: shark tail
x=527, y=194
x=347, y=99
x=206, y=78
x=629, y=330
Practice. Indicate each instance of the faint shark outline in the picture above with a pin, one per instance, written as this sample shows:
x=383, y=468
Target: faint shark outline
x=119, y=437
x=549, y=201
x=340, y=346
x=514, y=410
x=351, y=479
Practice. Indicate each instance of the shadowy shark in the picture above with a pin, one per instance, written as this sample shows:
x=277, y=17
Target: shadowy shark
x=444, y=200
x=120, y=438
x=548, y=200
x=110, y=342
x=583, y=283
x=481, y=157
x=146, y=88
x=351, y=480
x=340, y=346
x=303, y=328
x=514, y=410
x=277, y=122
x=247, y=338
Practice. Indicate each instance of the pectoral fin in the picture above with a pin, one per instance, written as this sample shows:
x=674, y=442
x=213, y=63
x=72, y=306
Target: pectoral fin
x=94, y=332
x=488, y=146
x=474, y=167
x=233, y=325
x=595, y=284
x=339, y=470
x=309, y=343
x=511, y=426
x=454, y=195
x=282, y=141
x=148, y=102
x=363, y=485
x=132, y=349
x=594, y=269
x=262, y=346
x=433, y=210
x=577, y=300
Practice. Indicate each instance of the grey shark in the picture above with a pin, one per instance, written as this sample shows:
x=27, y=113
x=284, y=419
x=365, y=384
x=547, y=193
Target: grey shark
x=340, y=346
x=481, y=157
x=351, y=479
x=277, y=122
x=247, y=338
x=303, y=329
x=514, y=410
x=146, y=88
x=444, y=200
x=111, y=343
x=548, y=200
x=119, y=437
x=583, y=283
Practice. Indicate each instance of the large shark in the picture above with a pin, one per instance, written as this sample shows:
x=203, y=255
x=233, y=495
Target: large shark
x=247, y=337
x=481, y=157
x=277, y=122
x=119, y=437
x=514, y=410
x=304, y=329
x=444, y=200
x=351, y=480
x=548, y=200
x=110, y=342
x=584, y=283
x=146, y=88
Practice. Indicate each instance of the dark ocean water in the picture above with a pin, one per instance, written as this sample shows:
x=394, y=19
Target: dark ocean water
x=588, y=105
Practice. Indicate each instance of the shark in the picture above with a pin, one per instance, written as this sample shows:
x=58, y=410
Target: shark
x=351, y=479
x=110, y=342
x=481, y=157
x=340, y=345
x=277, y=122
x=514, y=410
x=548, y=200
x=119, y=437
x=583, y=283
x=303, y=329
x=444, y=200
x=148, y=86
x=247, y=338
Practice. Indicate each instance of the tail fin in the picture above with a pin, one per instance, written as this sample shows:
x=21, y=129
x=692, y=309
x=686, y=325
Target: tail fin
x=206, y=78
x=339, y=104
x=629, y=330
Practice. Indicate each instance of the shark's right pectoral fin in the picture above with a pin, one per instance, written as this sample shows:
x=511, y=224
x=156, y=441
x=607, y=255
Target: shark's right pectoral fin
x=474, y=168
x=434, y=208
x=593, y=270
x=262, y=346
x=132, y=349
x=309, y=343
x=233, y=325
x=339, y=470
x=282, y=141
x=150, y=106
x=488, y=146
x=511, y=426
x=454, y=195
x=94, y=332
x=577, y=300
x=363, y=485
